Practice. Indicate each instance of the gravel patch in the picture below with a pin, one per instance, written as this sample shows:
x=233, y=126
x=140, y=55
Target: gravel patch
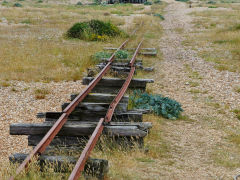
x=193, y=143
x=19, y=105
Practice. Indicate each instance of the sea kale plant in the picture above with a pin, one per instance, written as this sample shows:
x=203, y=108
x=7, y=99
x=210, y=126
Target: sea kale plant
x=157, y=104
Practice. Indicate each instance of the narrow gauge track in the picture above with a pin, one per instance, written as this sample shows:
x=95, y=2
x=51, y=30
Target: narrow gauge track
x=47, y=139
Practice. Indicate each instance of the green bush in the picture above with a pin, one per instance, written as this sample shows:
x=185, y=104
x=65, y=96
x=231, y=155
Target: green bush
x=182, y=0
x=79, y=3
x=4, y=3
x=26, y=21
x=157, y=1
x=158, y=104
x=160, y=16
x=212, y=6
x=93, y=30
x=122, y=54
x=237, y=27
x=17, y=5
x=147, y=3
x=211, y=2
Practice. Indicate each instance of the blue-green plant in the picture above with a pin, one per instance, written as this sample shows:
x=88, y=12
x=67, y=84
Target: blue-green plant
x=79, y=3
x=157, y=1
x=17, y=5
x=160, y=16
x=147, y=3
x=157, y=104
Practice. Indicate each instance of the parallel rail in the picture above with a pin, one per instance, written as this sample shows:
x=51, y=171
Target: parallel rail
x=47, y=139
x=98, y=130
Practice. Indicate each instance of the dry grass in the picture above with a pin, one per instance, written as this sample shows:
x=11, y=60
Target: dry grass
x=41, y=93
x=135, y=160
x=36, y=49
x=220, y=30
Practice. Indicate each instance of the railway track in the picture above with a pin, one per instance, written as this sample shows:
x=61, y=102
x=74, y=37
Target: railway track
x=88, y=115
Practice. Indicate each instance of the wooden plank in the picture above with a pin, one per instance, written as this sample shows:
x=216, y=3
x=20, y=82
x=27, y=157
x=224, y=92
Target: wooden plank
x=115, y=68
x=93, y=167
x=131, y=49
x=100, y=98
x=129, y=116
x=117, y=82
x=125, y=69
x=80, y=129
x=73, y=144
x=121, y=60
x=59, y=141
x=124, y=64
x=96, y=107
x=148, y=53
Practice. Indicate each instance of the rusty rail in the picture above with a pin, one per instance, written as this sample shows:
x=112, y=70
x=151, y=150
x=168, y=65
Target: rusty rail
x=40, y=148
x=79, y=167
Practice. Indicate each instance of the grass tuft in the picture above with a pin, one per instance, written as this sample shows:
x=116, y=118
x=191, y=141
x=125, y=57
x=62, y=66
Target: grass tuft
x=41, y=93
x=4, y=84
x=237, y=112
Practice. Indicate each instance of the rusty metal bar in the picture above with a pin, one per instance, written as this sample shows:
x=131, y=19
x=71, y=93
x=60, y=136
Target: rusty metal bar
x=40, y=148
x=98, y=130
x=79, y=167
x=135, y=54
x=120, y=94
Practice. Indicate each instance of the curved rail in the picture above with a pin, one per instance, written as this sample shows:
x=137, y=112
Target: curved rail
x=79, y=167
x=47, y=139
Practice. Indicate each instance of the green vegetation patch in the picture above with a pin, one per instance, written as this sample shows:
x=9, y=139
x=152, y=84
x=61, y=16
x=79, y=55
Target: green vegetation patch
x=158, y=104
x=237, y=112
x=157, y=1
x=121, y=54
x=147, y=3
x=159, y=15
x=182, y=0
x=17, y=5
x=94, y=30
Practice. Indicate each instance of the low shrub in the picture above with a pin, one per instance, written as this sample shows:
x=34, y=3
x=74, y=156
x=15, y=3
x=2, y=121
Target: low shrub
x=182, y=0
x=40, y=1
x=211, y=2
x=122, y=54
x=4, y=3
x=158, y=104
x=17, y=5
x=147, y=3
x=160, y=16
x=157, y=1
x=237, y=27
x=94, y=30
x=212, y=6
x=26, y=21
x=79, y=3
x=237, y=112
